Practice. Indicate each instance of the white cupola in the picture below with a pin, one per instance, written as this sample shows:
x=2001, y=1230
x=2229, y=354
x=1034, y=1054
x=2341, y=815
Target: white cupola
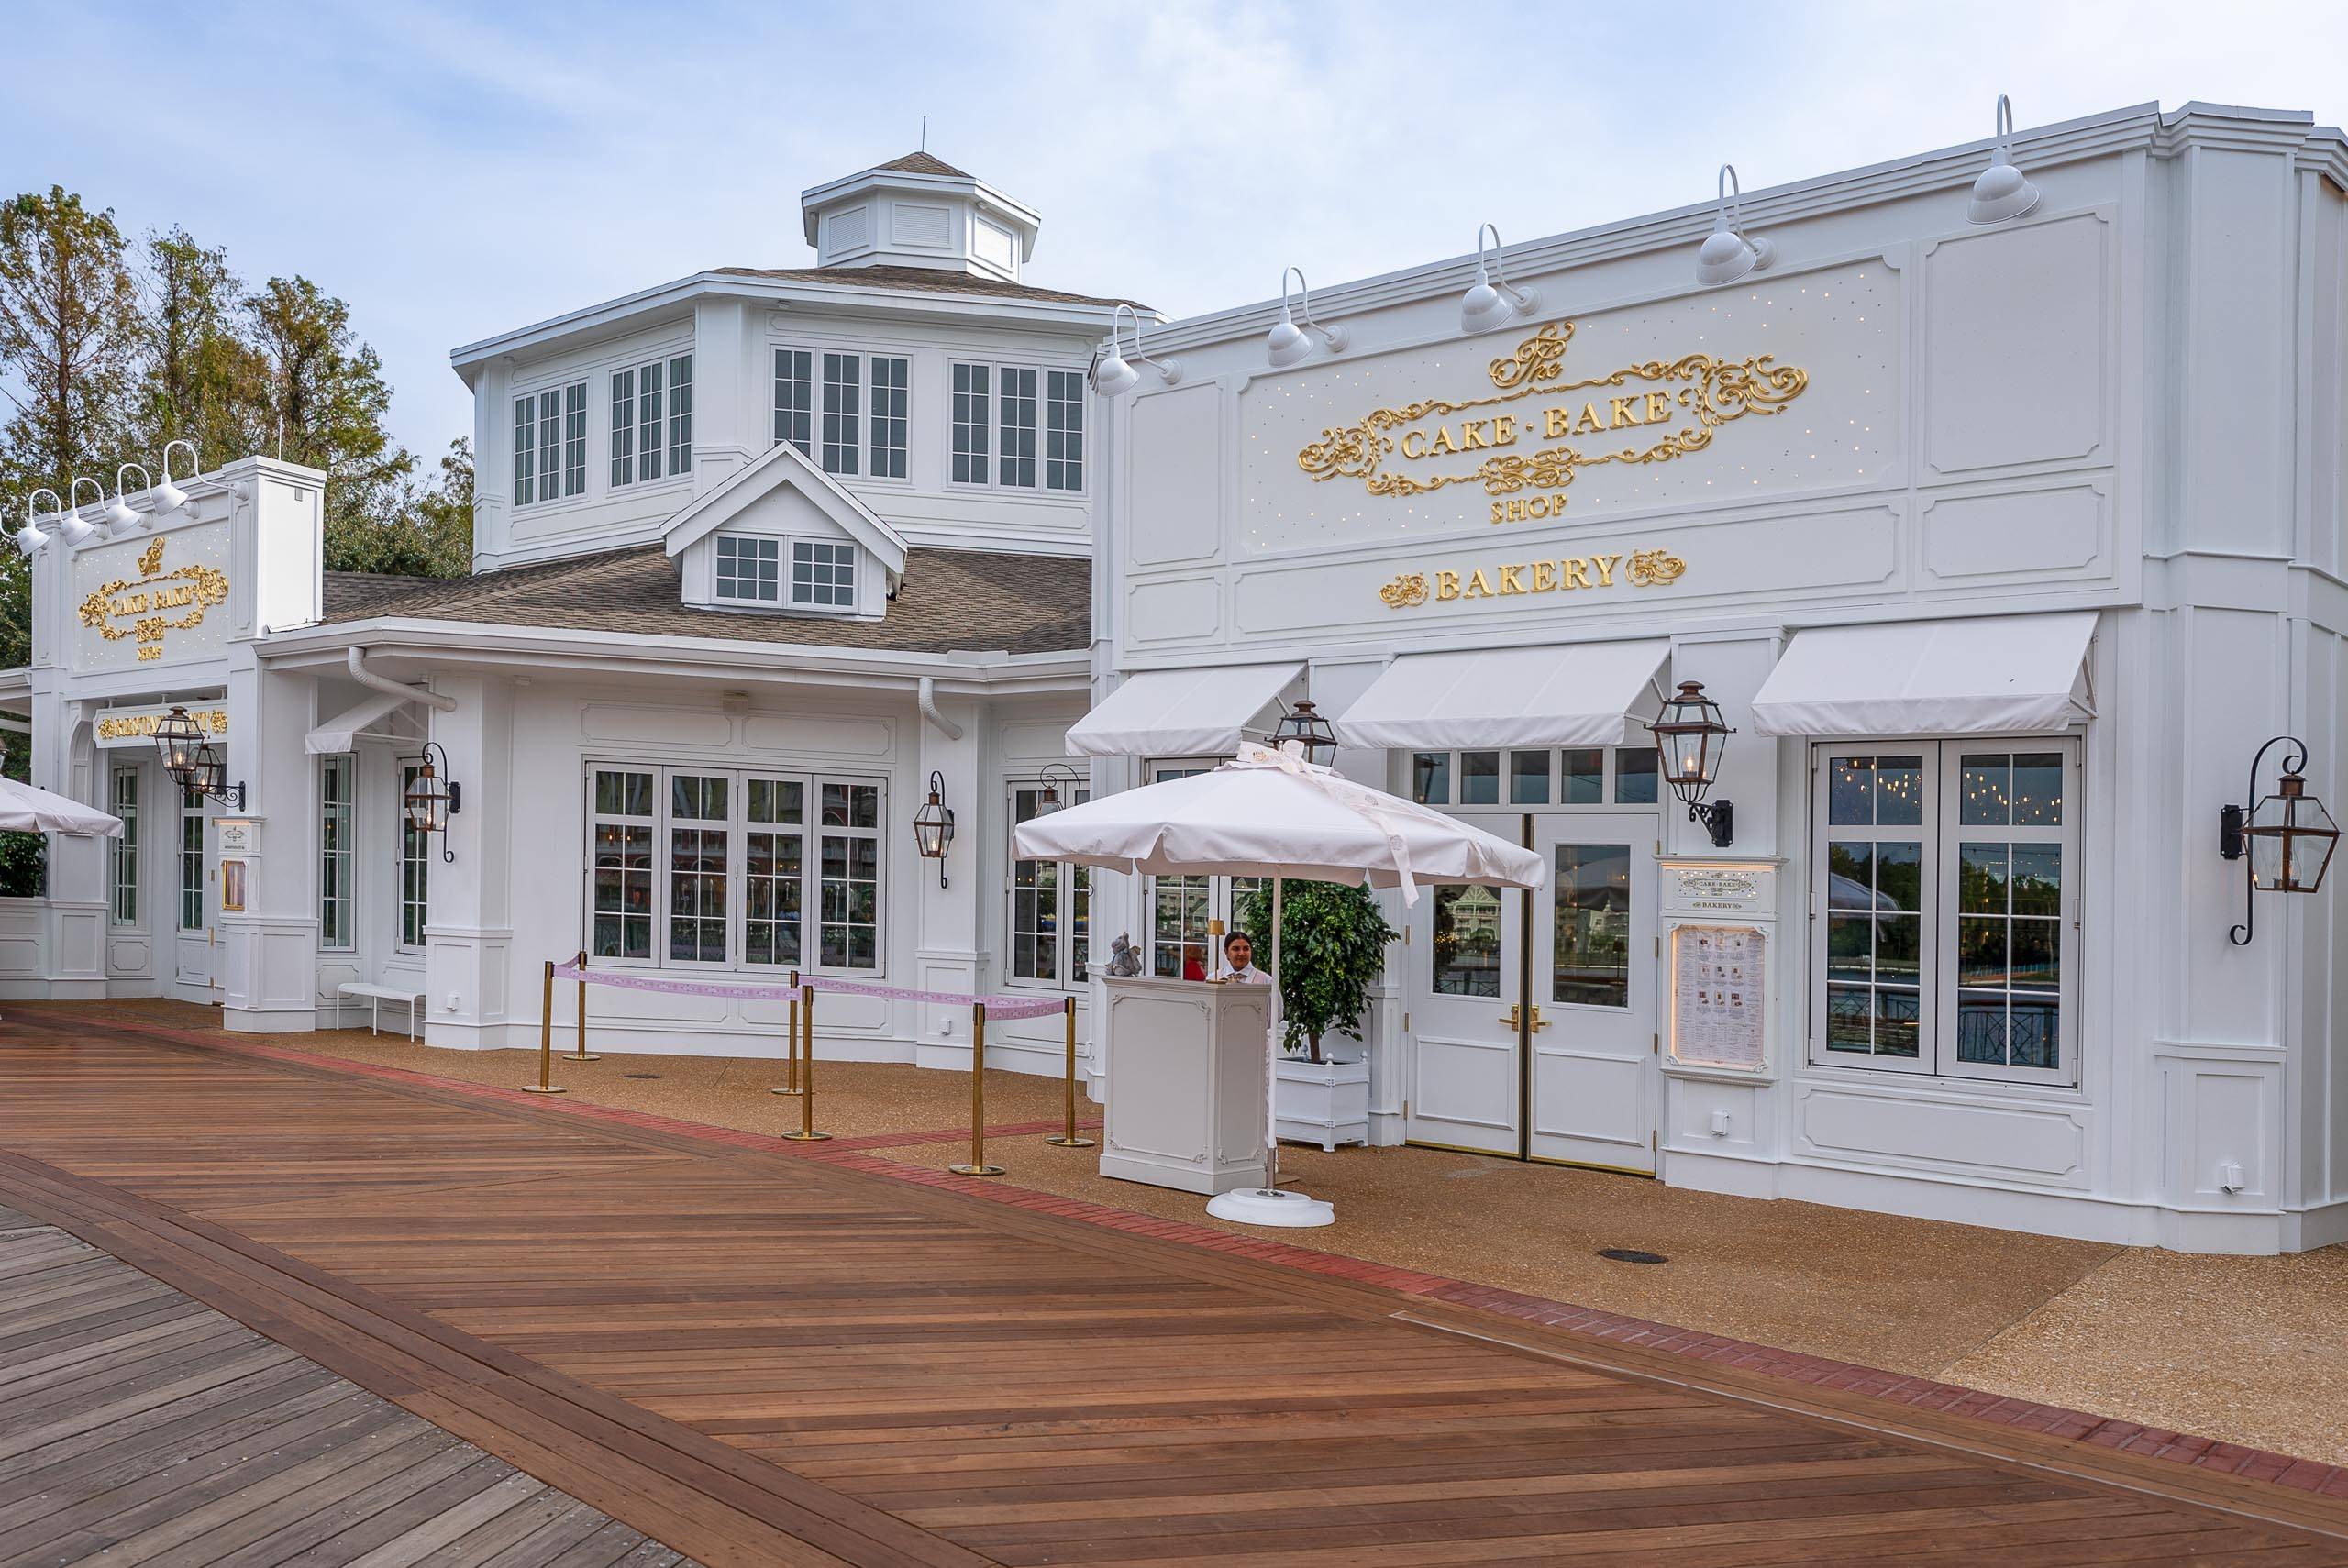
x=919, y=211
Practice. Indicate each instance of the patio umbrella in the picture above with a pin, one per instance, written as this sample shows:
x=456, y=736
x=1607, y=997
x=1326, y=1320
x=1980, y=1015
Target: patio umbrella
x=1270, y=813
x=24, y=809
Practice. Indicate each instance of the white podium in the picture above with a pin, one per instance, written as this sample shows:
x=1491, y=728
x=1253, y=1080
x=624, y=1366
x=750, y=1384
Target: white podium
x=1185, y=1083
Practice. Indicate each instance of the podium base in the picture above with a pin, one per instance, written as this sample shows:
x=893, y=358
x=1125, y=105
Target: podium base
x=1257, y=1205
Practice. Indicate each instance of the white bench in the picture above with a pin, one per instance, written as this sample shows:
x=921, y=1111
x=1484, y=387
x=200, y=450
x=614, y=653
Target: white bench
x=376, y=996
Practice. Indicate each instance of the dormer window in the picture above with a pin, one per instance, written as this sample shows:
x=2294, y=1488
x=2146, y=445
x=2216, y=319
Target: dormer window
x=749, y=571
x=822, y=576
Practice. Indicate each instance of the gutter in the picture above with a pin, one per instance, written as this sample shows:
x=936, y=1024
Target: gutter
x=357, y=664
x=927, y=689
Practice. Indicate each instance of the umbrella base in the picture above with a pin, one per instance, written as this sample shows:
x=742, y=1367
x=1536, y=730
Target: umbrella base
x=1255, y=1206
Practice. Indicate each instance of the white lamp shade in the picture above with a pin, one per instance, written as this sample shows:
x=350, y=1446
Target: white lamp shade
x=76, y=528
x=2003, y=191
x=1725, y=257
x=1287, y=343
x=1484, y=307
x=1114, y=378
x=169, y=497
x=121, y=518
x=30, y=540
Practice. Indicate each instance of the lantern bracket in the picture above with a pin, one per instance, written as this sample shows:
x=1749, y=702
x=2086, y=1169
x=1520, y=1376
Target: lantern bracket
x=2234, y=835
x=455, y=797
x=934, y=825
x=1719, y=818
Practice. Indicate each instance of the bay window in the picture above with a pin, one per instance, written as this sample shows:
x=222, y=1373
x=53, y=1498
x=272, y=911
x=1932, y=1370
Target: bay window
x=1944, y=891
x=1051, y=906
x=715, y=867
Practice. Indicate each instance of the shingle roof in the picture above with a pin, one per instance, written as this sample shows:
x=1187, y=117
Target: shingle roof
x=946, y=599
x=920, y=279
x=923, y=163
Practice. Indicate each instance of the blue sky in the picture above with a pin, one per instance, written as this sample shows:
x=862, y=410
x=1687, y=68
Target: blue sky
x=455, y=170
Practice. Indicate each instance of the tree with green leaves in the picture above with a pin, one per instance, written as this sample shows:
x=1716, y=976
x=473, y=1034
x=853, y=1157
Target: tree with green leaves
x=69, y=338
x=424, y=531
x=1332, y=949
x=201, y=381
x=326, y=399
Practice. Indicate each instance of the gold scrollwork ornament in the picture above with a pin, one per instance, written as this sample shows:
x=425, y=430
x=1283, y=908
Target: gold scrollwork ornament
x=1407, y=592
x=1654, y=568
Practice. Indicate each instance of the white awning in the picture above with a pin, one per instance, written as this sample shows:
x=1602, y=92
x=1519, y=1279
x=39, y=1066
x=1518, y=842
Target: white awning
x=1976, y=676
x=1180, y=712
x=336, y=733
x=1568, y=694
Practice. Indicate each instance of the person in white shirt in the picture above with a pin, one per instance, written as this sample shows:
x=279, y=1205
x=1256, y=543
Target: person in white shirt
x=1238, y=961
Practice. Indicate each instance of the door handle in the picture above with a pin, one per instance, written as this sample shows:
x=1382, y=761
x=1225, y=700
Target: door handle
x=1512, y=1020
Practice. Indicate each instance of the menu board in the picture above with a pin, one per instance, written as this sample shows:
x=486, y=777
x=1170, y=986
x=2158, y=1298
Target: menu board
x=1717, y=996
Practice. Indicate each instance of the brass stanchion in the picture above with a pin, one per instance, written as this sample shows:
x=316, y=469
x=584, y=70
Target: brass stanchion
x=806, y=1011
x=1068, y=1138
x=790, y=1044
x=581, y=1054
x=978, y=1165
x=546, y=1084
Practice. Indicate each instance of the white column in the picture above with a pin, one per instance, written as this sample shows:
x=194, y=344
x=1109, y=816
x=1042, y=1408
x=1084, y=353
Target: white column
x=467, y=933
x=269, y=950
x=73, y=907
x=948, y=956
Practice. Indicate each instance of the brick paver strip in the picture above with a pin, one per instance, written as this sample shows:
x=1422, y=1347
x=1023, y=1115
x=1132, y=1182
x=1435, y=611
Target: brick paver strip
x=2054, y=1421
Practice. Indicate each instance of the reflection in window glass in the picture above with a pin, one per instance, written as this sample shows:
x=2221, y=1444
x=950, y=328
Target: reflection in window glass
x=1585, y=776
x=1590, y=937
x=1528, y=778
x=1479, y=778
x=1636, y=773
x=1430, y=778
x=1467, y=948
x=1178, y=930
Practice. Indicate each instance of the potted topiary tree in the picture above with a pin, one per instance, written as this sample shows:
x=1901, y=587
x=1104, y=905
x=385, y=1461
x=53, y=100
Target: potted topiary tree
x=1331, y=950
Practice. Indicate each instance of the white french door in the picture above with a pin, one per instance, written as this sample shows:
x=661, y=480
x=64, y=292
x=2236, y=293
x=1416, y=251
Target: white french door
x=1464, y=1021
x=1593, y=1058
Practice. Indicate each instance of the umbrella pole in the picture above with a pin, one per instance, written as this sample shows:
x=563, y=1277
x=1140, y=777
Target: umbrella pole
x=1272, y=1059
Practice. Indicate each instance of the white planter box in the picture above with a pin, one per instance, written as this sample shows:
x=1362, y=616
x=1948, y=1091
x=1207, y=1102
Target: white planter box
x=1324, y=1103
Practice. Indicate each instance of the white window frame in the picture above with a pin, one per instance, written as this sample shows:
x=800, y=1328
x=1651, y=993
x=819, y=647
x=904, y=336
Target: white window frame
x=794, y=418
x=1071, y=887
x=1939, y=891
x=737, y=826
x=122, y=870
x=792, y=574
x=888, y=409
x=1612, y=776
x=1222, y=891
x=191, y=856
x=1067, y=399
x=623, y=431
x=649, y=822
x=769, y=566
x=410, y=915
x=970, y=424
x=550, y=444
x=839, y=444
x=338, y=868
x=651, y=421
x=981, y=434
x=680, y=415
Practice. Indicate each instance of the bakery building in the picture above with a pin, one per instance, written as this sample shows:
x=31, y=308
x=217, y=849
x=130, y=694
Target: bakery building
x=1991, y=497
x=766, y=557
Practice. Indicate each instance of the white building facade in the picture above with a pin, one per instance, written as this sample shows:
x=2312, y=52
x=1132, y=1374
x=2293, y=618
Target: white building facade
x=2004, y=548
x=763, y=556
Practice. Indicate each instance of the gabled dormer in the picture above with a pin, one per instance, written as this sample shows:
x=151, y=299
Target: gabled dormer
x=781, y=537
x=919, y=211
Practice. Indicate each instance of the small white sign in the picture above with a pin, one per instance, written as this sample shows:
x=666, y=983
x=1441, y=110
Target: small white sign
x=237, y=835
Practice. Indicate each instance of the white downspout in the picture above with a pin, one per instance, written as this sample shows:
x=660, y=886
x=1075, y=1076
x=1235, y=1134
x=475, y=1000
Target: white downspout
x=928, y=707
x=389, y=687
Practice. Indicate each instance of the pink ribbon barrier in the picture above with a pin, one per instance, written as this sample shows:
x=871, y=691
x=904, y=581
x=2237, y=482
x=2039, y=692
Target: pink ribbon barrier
x=997, y=1006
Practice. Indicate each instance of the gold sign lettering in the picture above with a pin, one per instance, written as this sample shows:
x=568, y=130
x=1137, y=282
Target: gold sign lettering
x=194, y=589
x=1707, y=391
x=1565, y=574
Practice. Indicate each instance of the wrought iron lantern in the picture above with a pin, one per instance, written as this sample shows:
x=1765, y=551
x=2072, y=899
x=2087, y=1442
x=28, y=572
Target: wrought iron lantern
x=1310, y=731
x=194, y=764
x=1688, y=739
x=934, y=825
x=1048, y=799
x=432, y=797
x=2286, y=841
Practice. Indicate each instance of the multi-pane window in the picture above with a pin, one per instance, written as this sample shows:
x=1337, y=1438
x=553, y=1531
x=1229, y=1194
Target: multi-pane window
x=123, y=856
x=1064, y=430
x=823, y=574
x=970, y=424
x=680, y=415
x=1467, y=941
x=337, y=856
x=848, y=908
x=690, y=866
x=550, y=444
x=774, y=870
x=1944, y=918
x=191, y=859
x=890, y=378
x=1050, y=905
x=843, y=404
x=1015, y=411
x=623, y=427
x=416, y=866
x=619, y=922
x=1575, y=775
x=749, y=568
x=1590, y=946
x=1178, y=907
x=794, y=399
x=700, y=867
x=651, y=428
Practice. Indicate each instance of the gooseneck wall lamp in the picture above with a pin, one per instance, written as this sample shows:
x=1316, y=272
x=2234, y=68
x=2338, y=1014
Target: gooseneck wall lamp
x=2002, y=191
x=1288, y=344
x=76, y=528
x=1729, y=253
x=1688, y=739
x=432, y=797
x=1492, y=301
x=29, y=539
x=1111, y=376
x=1048, y=799
x=169, y=497
x=2285, y=841
x=193, y=763
x=934, y=825
x=121, y=517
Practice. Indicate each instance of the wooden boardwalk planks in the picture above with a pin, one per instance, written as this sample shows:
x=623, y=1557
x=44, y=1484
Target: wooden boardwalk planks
x=138, y=1427
x=761, y=1358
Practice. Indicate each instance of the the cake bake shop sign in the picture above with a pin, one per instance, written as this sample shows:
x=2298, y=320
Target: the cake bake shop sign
x=153, y=600
x=1539, y=427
